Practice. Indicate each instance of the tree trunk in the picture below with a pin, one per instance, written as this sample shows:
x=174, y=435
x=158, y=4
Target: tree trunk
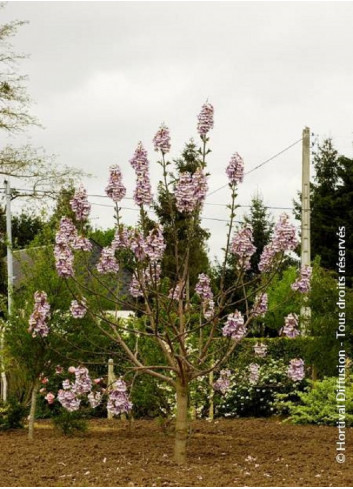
x=211, y=407
x=32, y=413
x=181, y=426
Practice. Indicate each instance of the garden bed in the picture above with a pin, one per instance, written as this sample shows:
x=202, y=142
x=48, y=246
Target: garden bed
x=246, y=452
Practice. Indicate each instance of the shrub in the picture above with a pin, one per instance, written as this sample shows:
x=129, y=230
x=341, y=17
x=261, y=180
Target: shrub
x=70, y=423
x=245, y=398
x=318, y=404
x=12, y=415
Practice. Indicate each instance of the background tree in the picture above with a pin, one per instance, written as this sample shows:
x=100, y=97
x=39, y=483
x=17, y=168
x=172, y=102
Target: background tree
x=38, y=173
x=14, y=99
x=165, y=206
x=262, y=224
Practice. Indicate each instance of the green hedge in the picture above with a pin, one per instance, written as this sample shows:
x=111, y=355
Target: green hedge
x=315, y=351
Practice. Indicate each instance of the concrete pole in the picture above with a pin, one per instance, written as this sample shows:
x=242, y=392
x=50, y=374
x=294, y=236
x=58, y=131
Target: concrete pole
x=305, y=219
x=305, y=224
x=9, y=283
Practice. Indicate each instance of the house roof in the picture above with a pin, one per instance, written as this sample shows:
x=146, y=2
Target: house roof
x=24, y=259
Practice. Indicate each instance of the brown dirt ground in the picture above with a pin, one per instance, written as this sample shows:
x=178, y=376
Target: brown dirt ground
x=242, y=452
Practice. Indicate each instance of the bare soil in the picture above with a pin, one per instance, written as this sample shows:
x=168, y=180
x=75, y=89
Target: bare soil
x=242, y=452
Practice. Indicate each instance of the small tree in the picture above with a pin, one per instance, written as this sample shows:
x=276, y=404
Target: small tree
x=193, y=332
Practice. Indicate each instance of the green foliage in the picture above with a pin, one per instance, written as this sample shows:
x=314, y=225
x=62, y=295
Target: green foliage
x=281, y=300
x=70, y=423
x=318, y=404
x=322, y=300
x=70, y=342
x=151, y=398
x=12, y=415
x=103, y=237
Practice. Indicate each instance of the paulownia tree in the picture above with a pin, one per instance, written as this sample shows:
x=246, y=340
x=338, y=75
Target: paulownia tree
x=193, y=331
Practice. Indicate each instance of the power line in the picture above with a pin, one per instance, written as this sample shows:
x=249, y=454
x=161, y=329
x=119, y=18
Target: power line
x=261, y=164
x=131, y=198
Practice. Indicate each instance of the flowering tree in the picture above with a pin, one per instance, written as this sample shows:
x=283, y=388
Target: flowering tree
x=190, y=348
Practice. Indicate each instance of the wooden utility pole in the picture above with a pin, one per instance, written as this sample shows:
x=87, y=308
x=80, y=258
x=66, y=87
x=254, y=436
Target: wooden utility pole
x=305, y=219
x=111, y=379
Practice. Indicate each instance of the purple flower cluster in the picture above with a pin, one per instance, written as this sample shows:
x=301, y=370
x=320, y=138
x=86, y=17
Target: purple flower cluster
x=203, y=287
x=139, y=162
x=149, y=277
x=205, y=119
x=152, y=274
x=242, y=246
x=260, y=350
x=177, y=292
x=82, y=243
x=290, y=328
x=115, y=188
x=138, y=245
x=235, y=169
x=254, y=373
x=284, y=239
x=285, y=236
x=296, y=370
x=143, y=192
x=69, y=395
x=203, y=290
x=222, y=384
x=69, y=400
x=234, y=327
x=190, y=190
x=260, y=306
x=107, y=262
x=154, y=244
x=41, y=313
x=67, y=239
x=302, y=284
x=80, y=204
x=161, y=140
x=122, y=238
x=94, y=399
x=64, y=257
x=267, y=256
x=208, y=309
x=78, y=309
x=83, y=382
x=135, y=288
x=118, y=401
x=200, y=185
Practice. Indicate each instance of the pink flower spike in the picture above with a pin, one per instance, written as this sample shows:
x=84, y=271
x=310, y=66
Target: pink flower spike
x=80, y=204
x=161, y=140
x=235, y=169
x=115, y=188
x=205, y=119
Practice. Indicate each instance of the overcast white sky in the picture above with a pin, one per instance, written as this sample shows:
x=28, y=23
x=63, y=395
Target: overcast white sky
x=105, y=74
